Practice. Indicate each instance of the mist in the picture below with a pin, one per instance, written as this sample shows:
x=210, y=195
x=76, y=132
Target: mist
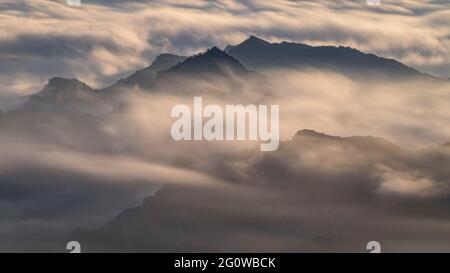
x=74, y=169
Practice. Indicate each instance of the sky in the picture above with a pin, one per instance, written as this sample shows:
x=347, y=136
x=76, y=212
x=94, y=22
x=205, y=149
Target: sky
x=104, y=40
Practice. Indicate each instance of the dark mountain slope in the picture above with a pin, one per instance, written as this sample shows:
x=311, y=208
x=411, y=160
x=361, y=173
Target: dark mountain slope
x=316, y=193
x=212, y=71
x=258, y=54
x=213, y=60
x=61, y=94
x=144, y=78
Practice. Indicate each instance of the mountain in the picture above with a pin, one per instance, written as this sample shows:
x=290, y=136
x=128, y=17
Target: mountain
x=143, y=78
x=258, y=54
x=212, y=72
x=61, y=94
x=170, y=72
x=167, y=71
x=273, y=202
x=212, y=61
x=60, y=87
x=67, y=96
x=165, y=61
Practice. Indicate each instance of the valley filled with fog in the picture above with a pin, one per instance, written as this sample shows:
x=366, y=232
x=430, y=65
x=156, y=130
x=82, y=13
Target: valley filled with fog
x=362, y=157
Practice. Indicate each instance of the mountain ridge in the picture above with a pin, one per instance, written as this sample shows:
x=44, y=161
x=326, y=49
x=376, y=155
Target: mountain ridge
x=256, y=54
x=181, y=218
x=143, y=78
x=241, y=59
x=212, y=61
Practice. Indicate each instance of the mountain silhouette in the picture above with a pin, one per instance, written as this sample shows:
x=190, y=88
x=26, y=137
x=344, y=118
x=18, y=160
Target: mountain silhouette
x=64, y=96
x=169, y=71
x=258, y=54
x=64, y=87
x=212, y=61
x=213, y=65
x=143, y=78
x=183, y=218
x=60, y=93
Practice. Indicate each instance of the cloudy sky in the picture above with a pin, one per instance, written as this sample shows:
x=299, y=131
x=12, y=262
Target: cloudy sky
x=104, y=40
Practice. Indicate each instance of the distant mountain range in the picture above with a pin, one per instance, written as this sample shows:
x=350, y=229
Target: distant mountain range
x=258, y=54
x=211, y=65
x=61, y=94
x=212, y=60
x=66, y=96
x=253, y=54
x=143, y=78
x=291, y=200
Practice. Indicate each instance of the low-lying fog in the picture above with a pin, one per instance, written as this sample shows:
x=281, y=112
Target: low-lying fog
x=63, y=171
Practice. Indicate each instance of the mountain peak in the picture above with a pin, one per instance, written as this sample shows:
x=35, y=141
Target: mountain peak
x=255, y=40
x=163, y=56
x=257, y=54
x=250, y=42
x=57, y=84
x=63, y=95
x=60, y=80
x=215, y=52
x=144, y=78
x=165, y=61
x=212, y=60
